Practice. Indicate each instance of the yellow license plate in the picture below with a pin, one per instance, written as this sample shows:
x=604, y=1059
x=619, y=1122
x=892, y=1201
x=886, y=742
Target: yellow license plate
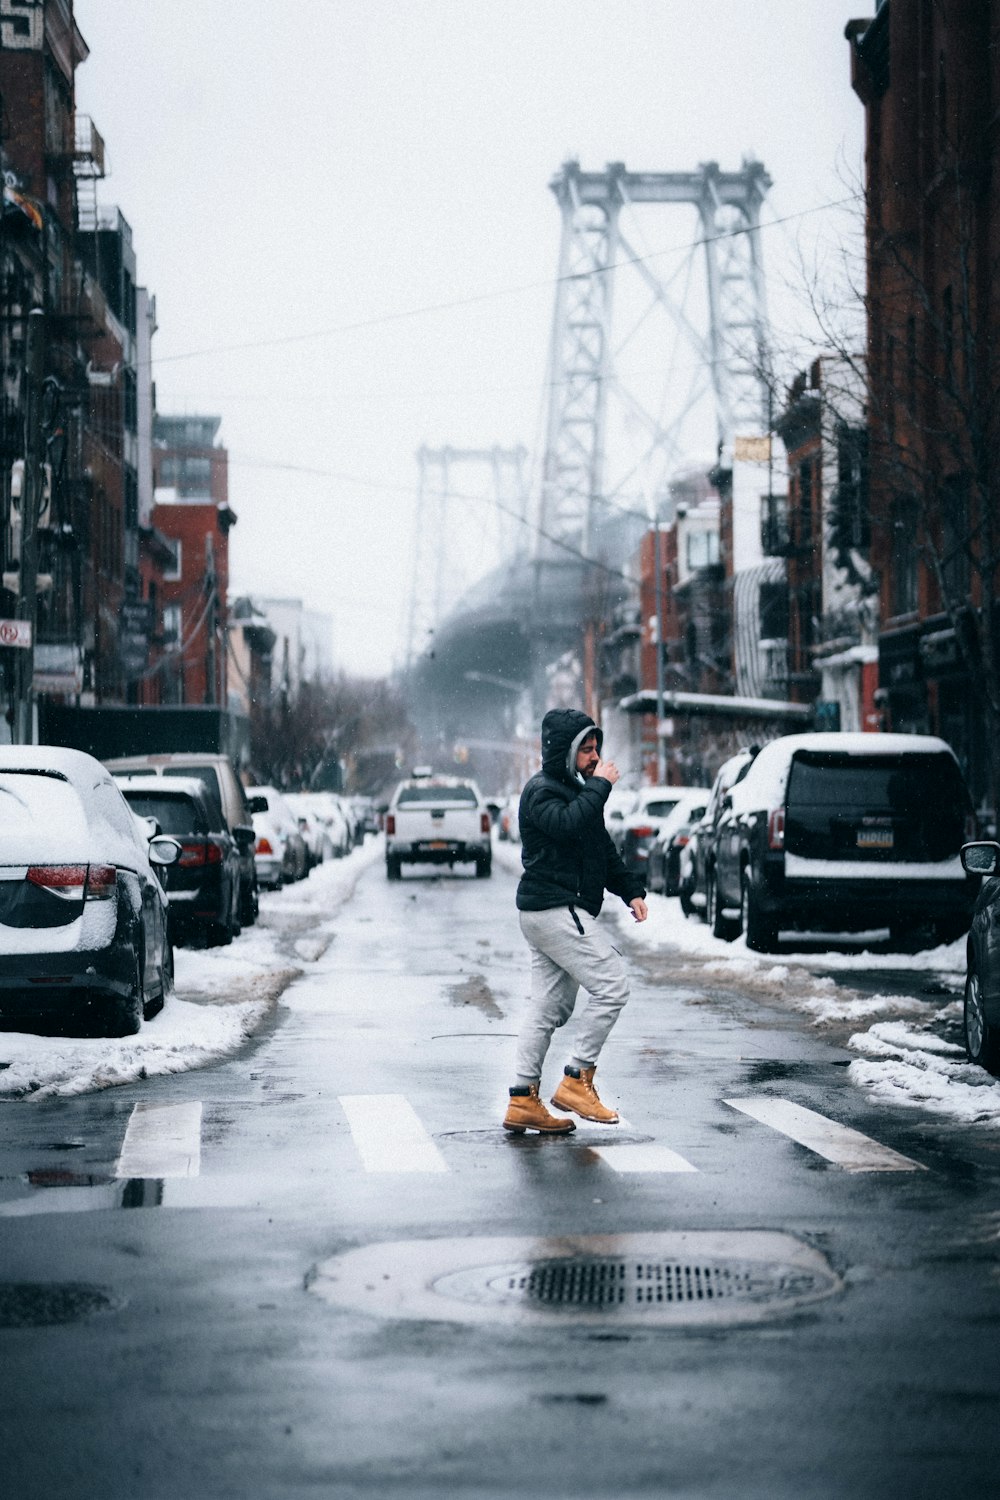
x=438, y=844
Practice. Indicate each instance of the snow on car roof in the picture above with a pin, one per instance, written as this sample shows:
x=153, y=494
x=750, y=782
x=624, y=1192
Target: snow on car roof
x=767, y=778
x=62, y=807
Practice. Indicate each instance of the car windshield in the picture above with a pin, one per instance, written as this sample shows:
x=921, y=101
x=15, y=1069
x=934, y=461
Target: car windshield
x=436, y=794
x=174, y=814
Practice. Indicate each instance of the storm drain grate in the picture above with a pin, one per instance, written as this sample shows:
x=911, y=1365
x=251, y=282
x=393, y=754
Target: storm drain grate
x=31, y=1304
x=680, y=1279
x=615, y=1283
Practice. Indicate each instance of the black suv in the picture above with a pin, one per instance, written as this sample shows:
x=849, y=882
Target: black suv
x=203, y=886
x=844, y=833
x=218, y=776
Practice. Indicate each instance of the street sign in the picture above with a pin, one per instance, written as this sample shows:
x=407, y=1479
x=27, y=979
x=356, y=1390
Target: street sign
x=15, y=633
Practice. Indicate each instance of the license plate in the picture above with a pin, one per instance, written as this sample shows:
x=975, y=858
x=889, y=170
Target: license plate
x=874, y=838
x=438, y=844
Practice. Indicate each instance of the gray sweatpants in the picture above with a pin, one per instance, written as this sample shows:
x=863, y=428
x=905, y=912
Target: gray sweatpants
x=564, y=960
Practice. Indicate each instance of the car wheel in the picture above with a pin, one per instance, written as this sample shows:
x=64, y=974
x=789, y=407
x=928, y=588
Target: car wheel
x=484, y=868
x=722, y=927
x=219, y=934
x=982, y=1041
x=152, y=1008
x=761, y=932
x=125, y=1012
x=686, y=906
x=393, y=868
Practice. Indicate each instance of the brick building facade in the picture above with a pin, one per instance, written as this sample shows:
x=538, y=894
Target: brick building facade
x=928, y=75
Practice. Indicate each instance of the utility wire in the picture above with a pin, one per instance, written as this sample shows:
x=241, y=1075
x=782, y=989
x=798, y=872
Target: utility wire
x=382, y=319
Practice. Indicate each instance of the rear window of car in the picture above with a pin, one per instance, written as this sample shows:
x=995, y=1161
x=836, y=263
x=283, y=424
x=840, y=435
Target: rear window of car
x=659, y=809
x=209, y=780
x=174, y=814
x=903, y=785
x=411, y=794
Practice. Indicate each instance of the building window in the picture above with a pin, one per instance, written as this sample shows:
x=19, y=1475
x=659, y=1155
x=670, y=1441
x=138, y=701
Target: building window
x=850, y=514
x=948, y=333
x=702, y=549
x=904, y=557
x=773, y=611
x=806, y=503
x=172, y=573
x=911, y=363
x=956, y=571
x=171, y=624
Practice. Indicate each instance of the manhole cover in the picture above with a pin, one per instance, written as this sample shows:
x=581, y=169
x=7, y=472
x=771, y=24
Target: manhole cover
x=682, y=1279
x=29, y=1304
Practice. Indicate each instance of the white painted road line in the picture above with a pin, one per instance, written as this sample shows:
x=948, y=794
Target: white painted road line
x=837, y=1143
x=642, y=1158
x=389, y=1135
x=162, y=1140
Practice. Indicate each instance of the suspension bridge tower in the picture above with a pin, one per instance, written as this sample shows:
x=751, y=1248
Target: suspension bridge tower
x=718, y=316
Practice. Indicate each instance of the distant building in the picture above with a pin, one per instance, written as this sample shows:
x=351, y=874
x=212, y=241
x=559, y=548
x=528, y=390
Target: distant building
x=823, y=532
x=303, y=646
x=192, y=513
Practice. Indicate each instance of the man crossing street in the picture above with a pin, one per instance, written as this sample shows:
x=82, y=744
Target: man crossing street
x=569, y=862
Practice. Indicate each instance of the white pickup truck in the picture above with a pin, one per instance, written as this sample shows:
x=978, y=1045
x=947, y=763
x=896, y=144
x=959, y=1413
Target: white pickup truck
x=437, y=820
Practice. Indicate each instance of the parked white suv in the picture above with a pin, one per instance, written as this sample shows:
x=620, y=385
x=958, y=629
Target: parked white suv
x=437, y=820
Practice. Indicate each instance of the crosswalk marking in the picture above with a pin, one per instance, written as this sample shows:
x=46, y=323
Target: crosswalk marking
x=837, y=1143
x=642, y=1158
x=389, y=1135
x=162, y=1140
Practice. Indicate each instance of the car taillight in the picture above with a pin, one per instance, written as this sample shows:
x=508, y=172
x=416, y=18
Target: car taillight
x=66, y=881
x=776, y=829
x=484, y=822
x=102, y=882
x=213, y=854
x=191, y=855
x=647, y=831
x=264, y=846
x=681, y=839
x=390, y=823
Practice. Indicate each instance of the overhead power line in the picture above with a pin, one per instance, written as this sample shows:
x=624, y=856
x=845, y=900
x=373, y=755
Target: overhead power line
x=380, y=320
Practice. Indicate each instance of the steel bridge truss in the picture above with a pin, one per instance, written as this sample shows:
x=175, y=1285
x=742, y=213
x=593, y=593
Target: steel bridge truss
x=470, y=516
x=730, y=345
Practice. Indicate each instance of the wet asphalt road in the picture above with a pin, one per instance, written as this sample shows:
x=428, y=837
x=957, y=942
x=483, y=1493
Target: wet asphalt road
x=216, y=1370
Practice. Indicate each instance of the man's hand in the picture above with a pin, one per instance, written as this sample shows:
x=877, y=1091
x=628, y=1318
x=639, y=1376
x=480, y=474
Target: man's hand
x=639, y=909
x=608, y=770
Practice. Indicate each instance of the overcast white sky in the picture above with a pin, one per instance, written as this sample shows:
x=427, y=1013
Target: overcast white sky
x=307, y=180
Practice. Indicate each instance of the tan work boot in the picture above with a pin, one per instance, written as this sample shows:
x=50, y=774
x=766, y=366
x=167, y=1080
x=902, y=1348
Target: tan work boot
x=577, y=1092
x=527, y=1112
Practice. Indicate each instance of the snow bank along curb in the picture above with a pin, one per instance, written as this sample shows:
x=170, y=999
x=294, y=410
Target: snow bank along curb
x=201, y=1022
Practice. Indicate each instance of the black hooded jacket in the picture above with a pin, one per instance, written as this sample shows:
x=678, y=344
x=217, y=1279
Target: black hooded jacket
x=569, y=859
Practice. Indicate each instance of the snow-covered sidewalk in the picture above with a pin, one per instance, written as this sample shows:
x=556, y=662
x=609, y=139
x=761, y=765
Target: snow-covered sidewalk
x=222, y=996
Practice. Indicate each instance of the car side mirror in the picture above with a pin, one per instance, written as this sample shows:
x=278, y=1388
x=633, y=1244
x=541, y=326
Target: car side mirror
x=245, y=837
x=981, y=858
x=616, y=814
x=256, y=805
x=163, y=850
